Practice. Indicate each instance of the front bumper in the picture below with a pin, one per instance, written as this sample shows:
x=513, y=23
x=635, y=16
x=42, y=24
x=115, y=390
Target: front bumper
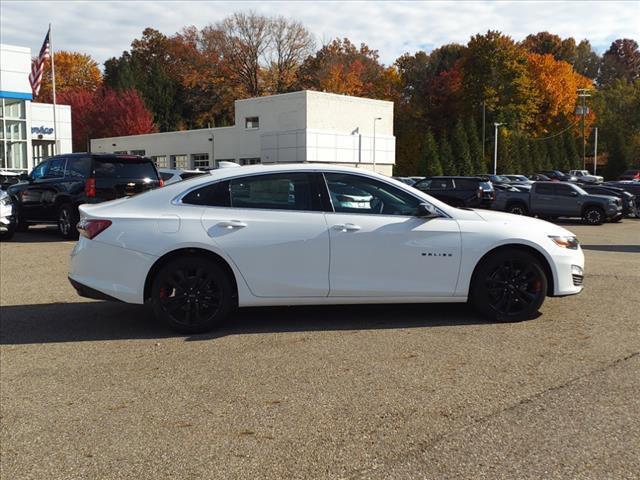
x=568, y=272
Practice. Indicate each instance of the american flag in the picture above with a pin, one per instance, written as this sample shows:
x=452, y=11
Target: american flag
x=37, y=68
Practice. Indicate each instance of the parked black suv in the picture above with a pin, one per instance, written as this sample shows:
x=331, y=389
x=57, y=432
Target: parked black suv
x=55, y=188
x=459, y=191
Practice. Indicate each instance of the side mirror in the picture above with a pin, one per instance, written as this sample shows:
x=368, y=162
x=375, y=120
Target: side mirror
x=24, y=177
x=426, y=210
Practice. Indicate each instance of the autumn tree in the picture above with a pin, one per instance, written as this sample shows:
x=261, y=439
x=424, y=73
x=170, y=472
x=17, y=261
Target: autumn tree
x=74, y=71
x=106, y=113
x=587, y=62
x=291, y=43
x=555, y=85
x=494, y=71
x=620, y=61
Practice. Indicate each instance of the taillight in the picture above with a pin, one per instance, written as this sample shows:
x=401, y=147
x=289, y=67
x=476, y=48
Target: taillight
x=161, y=183
x=479, y=193
x=89, y=228
x=90, y=187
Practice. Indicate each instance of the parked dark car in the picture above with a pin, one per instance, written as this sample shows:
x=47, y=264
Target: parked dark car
x=406, y=180
x=459, y=191
x=558, y=176
x=627, y=186
x=555, y=199
x=55, y=188
x=495, y=179
x=628, y=199
x=539, y=177
x=633, y=174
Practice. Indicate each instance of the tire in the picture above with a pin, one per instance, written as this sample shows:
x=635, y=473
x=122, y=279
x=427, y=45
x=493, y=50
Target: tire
x=68, y=218
x=8, y=234
x=593, y=216
x=518, y=209
x=21, y=226
x=509, y=286
x=192, y=294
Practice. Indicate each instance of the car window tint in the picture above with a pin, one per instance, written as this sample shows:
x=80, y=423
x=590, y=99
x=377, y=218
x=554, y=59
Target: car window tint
x=466, y=184
x=125, y=168
x=563, y=190
x=280, y=191
x=165, y=175
x=40, y=171
x=212, y=195
x=356, y=194
x=56, y=168
x=441, y=184
x=186, y=175
x=78, y=167
x=544, y=188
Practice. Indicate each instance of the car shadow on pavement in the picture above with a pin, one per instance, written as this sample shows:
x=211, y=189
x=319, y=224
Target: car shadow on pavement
x=38, y=235
x=98, y=321
x=613, y=248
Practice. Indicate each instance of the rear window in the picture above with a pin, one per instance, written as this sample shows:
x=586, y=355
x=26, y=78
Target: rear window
x=466, y=184
x=116, y=168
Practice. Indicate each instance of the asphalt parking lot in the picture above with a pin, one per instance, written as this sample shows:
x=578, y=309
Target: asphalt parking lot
x=99, y=390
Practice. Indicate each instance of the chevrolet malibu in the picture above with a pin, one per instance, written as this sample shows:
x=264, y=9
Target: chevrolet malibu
x=274, y=235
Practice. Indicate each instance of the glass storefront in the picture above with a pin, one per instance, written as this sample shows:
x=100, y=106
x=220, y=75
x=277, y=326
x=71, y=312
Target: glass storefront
x=13, y=136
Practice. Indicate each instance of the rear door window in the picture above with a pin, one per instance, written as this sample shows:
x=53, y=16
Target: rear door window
x=78, y=168
x=125, y=168
x=544, y=189
x=441, y=184
x=466, y=184
x=563, y=190
x=280, y=191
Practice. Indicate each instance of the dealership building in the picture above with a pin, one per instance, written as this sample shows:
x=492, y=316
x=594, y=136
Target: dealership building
x=28, y=134
x=304, y=126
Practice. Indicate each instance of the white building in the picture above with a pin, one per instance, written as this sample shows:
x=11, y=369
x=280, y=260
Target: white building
x=303, y=126
x=27, y=129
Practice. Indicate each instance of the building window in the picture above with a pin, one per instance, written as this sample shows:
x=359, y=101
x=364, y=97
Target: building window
x=200, y=160
x=249, y=161
x=13, y=134
x=181, y=162
x=161, y=161
x=251, y=122
x=121, y=152
x=141, y=153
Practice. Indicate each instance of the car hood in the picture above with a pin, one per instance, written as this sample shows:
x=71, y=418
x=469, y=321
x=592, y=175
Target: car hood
x=522, y=221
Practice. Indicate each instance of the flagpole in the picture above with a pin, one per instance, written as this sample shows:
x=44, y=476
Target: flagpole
x=53, y=85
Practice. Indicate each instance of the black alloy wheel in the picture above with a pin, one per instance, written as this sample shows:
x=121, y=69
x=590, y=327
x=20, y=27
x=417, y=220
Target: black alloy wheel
x=518, y=209
x=67, y=221
x=192, y=294
x=593, y=216
x=510, y=285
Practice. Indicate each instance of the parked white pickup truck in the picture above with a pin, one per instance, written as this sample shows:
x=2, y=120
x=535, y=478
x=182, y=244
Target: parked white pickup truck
x=585, y=176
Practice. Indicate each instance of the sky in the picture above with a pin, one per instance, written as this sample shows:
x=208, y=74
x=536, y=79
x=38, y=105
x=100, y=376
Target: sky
x=105, y=29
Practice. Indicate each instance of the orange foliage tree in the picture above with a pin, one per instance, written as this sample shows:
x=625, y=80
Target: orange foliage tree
x=74, y=71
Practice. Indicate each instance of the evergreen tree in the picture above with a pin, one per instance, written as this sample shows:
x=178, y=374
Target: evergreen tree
x=446, y=156
x=430, y=161
x=461, y=153
x=475, y=147
x=553, y=153
x=505, y=153
x=573, y=159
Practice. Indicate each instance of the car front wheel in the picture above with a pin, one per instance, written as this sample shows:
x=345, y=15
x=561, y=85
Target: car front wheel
x=593, y=216
x=192, y=294
x=509, y=285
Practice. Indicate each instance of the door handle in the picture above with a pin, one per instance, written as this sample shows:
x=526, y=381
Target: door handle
x=347, y=227
x=231, y=224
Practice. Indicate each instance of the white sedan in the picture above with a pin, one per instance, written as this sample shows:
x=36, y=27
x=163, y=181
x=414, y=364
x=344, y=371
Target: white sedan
x=272, y=235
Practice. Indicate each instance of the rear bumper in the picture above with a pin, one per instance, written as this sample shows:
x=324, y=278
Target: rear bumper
x=102, y=270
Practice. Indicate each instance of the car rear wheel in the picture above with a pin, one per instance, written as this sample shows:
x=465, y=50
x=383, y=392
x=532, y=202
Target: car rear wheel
x=593, y=216
x=67, y=220
x=8, y=233
x=518, y=209
x=509, y=285
x=192, y=294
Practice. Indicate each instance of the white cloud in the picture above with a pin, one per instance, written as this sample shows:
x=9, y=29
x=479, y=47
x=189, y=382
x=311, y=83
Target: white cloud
x=106, y=28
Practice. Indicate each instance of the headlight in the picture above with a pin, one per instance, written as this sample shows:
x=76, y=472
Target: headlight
x=565, y=241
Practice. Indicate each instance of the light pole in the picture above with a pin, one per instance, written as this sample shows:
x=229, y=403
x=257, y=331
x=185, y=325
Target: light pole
x=213, y=151
x=595, y=152
x=374, y=141
x=495, y=149
x=582, y=92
